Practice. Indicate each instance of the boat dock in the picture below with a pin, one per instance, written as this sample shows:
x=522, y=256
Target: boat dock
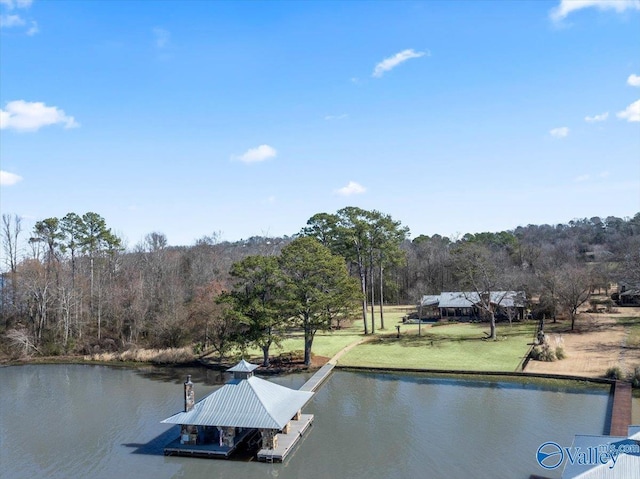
x=176, y=448
x=621, y=409
x=286, y=442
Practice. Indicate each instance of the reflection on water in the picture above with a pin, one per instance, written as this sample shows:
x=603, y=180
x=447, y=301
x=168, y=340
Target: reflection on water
x=61, y=421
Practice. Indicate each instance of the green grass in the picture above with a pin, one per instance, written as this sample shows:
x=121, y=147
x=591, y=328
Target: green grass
x=454, y=347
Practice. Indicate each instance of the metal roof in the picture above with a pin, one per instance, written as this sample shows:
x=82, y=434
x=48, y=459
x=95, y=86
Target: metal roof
x=242, y=367
x=627, y=464
x=250, y=403
x=430, y=300
x=466, y=299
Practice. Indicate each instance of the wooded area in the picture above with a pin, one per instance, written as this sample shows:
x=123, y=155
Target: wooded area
x=70, y=287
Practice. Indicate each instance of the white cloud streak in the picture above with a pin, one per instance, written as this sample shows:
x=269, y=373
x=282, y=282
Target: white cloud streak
x=633, y=80
x=390, y=63
x=562, y=10
x=258, y=154
x=352, y=188
x=561, y=132
x=8, y=179
x=23, y=115
x=597, y=118
x=336, y=117
x=631, y=113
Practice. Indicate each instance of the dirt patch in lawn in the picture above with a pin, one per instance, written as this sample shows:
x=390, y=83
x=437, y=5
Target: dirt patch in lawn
x=598, y=343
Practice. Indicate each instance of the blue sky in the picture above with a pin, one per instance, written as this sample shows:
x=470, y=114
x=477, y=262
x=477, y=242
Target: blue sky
x=247, y=118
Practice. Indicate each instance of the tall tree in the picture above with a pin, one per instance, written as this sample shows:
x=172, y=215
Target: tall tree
x=11, y=229
x=353, y=234
x=97, y=239
x=317, y=287
x=574, y=289
x=257, y=300
x=479, y=273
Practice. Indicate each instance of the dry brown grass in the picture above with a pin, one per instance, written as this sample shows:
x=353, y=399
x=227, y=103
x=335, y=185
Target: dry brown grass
x=156, y=356
x=599, y=343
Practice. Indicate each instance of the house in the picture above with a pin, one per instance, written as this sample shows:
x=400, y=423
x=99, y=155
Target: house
x=466, y=305
x=628, y=294
x=247, y=411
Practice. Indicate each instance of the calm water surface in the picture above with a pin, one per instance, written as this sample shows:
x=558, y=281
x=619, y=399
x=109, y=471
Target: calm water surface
x=61, y=421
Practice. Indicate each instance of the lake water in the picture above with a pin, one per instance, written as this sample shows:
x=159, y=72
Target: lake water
x=61, y=421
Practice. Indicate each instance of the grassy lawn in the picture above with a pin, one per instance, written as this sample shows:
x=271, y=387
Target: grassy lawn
x=455, y=346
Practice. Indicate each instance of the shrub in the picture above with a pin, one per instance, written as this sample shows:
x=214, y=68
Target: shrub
x=635, y=377
x=543, y=353
x=560, y=354
x=614, y=372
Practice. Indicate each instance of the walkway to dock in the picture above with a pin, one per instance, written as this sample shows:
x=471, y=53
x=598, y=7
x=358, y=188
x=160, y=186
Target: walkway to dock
x=621, y=409
x=323, y=373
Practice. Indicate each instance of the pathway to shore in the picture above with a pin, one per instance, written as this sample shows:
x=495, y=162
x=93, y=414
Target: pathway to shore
x=323, y=373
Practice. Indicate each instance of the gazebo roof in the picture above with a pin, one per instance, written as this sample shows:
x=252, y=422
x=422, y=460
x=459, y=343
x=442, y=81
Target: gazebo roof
x=249, y=403
x=242, y=367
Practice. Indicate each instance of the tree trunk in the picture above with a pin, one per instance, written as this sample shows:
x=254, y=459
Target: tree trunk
x=493, y=326
x=381, y=297
x=265, y=355
x=308, y=341
x=363, y=285
x=373, y=299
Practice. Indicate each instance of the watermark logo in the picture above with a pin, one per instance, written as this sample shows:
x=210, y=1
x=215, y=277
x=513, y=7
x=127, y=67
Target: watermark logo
x=550, y=455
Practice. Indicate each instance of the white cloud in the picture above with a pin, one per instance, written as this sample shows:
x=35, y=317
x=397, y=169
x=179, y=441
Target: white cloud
x=336, y=117
x=8, y=179
x=33, y=29
x=561, y=132
x=631, y=113
x=8, y=21
x=11, y=4
x=255, y=155
x=13, y=20
x=162, y=37
x=392, y=62
x=352, y=188
x=633, y=80
x=565, y=7
x=23, y=115
x=597, y=118
x=581, y=178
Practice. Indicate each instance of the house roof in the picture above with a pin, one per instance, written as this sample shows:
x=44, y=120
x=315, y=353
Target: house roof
x=250, y=403
x=430, y=300
x=466, y=299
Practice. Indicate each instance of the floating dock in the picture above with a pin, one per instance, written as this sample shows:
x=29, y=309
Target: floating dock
x=176, y=448
x=621, y=409
x=287, y=442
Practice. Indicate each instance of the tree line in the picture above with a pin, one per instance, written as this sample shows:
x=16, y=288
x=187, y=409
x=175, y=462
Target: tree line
x=76, y=289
